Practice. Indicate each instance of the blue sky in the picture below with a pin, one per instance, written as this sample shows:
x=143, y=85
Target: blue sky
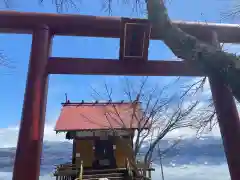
x=17, y=49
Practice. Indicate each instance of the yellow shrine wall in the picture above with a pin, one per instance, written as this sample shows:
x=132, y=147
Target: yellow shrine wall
x=85, y=148
x=123, y=151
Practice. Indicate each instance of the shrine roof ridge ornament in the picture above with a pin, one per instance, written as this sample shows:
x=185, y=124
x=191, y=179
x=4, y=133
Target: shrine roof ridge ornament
x=97, y=102
x=96, y=26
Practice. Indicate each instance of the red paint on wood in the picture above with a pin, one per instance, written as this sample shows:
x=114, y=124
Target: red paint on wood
x=57, y=65
x=94, y=26
x=29, y=147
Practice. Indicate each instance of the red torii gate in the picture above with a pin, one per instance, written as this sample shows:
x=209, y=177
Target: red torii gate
x=132, y=61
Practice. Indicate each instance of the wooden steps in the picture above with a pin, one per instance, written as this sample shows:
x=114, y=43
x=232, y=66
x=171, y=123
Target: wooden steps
x=110, y=174
x=71, y=172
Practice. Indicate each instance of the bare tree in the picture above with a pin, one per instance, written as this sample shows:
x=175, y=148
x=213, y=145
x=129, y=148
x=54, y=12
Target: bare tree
x=206, y=112
x=154, y=114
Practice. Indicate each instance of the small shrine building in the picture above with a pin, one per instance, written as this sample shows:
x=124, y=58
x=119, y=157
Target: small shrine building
x=102, y=132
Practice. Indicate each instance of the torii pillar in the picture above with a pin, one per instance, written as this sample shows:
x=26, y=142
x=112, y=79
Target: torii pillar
x=29, y=147
x=228, y=119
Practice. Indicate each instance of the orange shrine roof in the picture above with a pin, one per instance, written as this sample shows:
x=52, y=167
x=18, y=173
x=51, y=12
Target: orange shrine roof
x=99, y=116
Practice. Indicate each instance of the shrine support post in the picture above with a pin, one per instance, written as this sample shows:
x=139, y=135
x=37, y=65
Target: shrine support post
x=29, y=147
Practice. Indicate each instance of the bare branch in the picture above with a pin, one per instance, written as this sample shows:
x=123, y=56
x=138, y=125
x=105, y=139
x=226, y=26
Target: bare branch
x=5, y=63
x=156, y=115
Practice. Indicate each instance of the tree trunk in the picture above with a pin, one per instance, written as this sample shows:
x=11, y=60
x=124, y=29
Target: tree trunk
x=211, y=60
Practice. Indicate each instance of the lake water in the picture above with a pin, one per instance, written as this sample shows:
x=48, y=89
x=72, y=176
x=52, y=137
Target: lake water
x=201, y=159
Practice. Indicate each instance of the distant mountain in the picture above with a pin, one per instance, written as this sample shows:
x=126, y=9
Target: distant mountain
x=208, y=150
x=189, y=151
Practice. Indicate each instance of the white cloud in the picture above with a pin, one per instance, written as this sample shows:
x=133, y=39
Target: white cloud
x=232, y=48
x=50, y=134
x=9, y=136
x=190, y=133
